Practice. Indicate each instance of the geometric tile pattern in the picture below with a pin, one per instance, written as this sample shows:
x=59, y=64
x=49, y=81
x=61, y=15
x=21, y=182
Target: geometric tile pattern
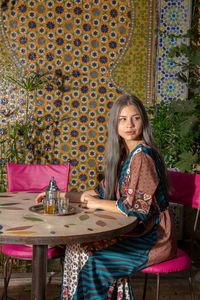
x=174, y=19
x=95, y=50
x=133, y=72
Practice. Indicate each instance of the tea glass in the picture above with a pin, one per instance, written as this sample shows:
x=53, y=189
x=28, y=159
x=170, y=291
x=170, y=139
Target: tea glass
x=63, y=205
x=49, y=206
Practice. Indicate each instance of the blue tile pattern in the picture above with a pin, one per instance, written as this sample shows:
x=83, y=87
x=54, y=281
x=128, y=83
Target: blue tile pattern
x=174, y=18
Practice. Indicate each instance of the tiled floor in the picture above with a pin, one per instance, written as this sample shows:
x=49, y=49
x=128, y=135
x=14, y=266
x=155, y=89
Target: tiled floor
x=173, y=287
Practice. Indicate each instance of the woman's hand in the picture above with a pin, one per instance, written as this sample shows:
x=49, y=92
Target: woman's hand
x=86, y=193
x=89, y=199
x=40, y=197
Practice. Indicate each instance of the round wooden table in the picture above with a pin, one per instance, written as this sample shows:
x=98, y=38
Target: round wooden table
x=23, y=222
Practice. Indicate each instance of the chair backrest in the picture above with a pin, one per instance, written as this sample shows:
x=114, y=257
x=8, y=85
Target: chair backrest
x=35, y=178
x=185, y=188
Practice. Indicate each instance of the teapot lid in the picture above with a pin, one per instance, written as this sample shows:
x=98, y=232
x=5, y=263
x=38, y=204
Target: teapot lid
x=52, y=185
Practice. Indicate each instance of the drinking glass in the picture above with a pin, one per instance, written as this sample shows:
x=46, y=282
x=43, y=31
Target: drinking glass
x=49, y=206
x=63, y=205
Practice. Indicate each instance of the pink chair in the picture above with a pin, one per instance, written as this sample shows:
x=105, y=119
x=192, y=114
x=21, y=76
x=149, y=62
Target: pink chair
x=32, y=178
x=35, y=178
x=186, y=191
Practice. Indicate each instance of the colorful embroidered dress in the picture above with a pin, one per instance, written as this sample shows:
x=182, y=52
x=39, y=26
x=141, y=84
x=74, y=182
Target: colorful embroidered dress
x=100, y=270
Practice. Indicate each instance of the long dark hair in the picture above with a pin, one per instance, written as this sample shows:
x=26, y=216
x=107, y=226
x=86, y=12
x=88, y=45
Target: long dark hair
x=115, y=148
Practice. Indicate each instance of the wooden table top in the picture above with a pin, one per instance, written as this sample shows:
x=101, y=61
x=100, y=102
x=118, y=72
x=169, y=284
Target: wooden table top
x=19, y=224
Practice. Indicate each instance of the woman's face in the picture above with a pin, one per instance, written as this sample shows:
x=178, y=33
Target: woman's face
x=130, y=125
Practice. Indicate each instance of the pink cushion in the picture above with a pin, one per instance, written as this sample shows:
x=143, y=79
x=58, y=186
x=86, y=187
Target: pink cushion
x=35, y=178
x=26, y=252
x=179, y=263
x=185, y=188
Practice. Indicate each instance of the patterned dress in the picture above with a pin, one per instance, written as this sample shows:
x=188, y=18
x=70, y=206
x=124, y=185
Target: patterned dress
x=101, y=270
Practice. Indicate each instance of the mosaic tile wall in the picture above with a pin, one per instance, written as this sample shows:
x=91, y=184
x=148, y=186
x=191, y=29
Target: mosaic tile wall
x=95, y=50
x=174, y=18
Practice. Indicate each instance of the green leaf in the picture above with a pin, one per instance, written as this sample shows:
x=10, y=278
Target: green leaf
x=17, y=82
x=186, y=161
x=181, y=77
x=195, y=58
x=84, y=217
x=33, y=219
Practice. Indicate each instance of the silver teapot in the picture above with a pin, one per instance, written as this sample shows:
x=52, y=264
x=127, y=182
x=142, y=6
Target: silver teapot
x=52, y=197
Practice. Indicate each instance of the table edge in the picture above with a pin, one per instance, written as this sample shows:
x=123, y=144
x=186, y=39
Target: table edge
x=56, y=240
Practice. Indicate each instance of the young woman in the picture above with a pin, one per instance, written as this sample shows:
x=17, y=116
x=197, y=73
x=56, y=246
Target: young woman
x=135, y=183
